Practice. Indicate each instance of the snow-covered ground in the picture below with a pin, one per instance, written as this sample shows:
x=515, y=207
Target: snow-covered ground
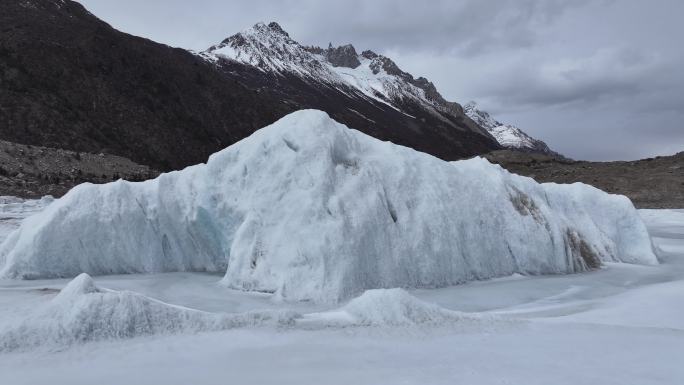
x=622, y=324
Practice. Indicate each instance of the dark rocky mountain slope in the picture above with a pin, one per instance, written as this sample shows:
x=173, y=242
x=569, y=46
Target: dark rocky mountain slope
x=69, y=80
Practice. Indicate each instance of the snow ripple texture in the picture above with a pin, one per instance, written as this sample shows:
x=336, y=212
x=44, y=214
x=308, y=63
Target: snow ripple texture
x=82, y=312
x=311, y=210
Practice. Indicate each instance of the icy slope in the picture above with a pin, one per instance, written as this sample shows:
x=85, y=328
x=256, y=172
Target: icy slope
x=82, y=312
x=310, y=209
x=507, y=135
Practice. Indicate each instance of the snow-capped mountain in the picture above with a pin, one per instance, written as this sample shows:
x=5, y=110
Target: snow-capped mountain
x=367, y=91
x=270, y=49
x=507, y=135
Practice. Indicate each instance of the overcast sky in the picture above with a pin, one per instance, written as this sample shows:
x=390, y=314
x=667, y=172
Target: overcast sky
x=598, y=80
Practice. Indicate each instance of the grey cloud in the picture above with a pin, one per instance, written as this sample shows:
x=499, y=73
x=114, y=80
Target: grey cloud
x=607, y=75
x=466, y=27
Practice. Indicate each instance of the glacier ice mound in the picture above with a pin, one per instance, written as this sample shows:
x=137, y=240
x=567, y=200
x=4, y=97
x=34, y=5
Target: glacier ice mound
x=82, y=312
x=311, y=210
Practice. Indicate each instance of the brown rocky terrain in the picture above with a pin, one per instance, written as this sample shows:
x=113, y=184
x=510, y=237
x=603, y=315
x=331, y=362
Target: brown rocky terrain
x=33, y=171
x=650, y=183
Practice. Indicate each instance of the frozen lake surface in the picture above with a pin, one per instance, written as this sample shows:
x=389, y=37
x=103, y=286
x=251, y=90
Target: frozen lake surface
x=622, y=324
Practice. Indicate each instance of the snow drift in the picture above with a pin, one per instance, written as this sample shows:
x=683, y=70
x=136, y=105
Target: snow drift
x=310, y=209
x=82, y=312
x=385, y=307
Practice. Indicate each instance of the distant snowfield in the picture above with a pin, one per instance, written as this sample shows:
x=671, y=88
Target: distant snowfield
x=622, y=324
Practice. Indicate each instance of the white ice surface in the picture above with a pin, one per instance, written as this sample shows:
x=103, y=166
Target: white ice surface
x=567, y=332
x=311, y=210
x=83, y=312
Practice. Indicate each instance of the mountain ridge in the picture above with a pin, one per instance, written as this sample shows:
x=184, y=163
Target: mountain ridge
x=269, y=47
x=366, y=91
x=271, y=50
x=70, y=81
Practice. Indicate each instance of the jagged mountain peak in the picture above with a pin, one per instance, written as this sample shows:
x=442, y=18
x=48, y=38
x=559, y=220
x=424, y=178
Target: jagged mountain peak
x=507, y=135
x=368, y=54
x=343, y=56
x=270, y=28
x=267, y=33
x=275, y=27
x=269, y=48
